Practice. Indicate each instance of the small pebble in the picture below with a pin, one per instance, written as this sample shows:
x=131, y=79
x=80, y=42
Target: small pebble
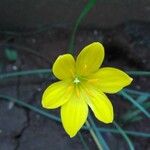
x=14, y=68
x=144, y=61
x=138, y=87
x=39, y=89
x=147, y=8
x=33, y=41
x=80, y=39
x=10, y=105
x=95, y=32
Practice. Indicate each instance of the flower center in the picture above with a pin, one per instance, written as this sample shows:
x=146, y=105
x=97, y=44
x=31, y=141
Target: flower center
x=76, y=80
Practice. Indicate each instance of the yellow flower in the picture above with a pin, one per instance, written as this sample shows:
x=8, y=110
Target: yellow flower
x=83, y=84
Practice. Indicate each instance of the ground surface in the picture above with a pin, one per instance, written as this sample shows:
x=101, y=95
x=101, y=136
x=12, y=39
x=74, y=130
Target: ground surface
x=21, y=15
x=127, y=47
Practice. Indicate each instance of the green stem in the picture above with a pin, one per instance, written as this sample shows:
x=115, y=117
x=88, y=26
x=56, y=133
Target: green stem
x=124, y=136
x=131, y=91
x=33, y=108
x=84, y=12
x=99, y=136
x=53, y=117
x=139, y=73
x=132, y=133
x=94, y=136
x=45, y=71
x=83, y=141
x=140, y=107
x=24, y=73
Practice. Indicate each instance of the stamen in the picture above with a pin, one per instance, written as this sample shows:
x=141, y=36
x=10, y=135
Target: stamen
x=76, y=80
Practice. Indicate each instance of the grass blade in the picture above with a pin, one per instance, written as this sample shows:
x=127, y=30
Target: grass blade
x=94, y=136
x=124, y=135
x=25, y=73
x=99, y=136
x=139, y=73
x=40, y=111
x=131, y=91
x=28, y=106
x=132, y=114
x=128, y=97
x=55, y=118
x=141, y=99
x=83, y=141
x=132, y=133
x=84, y=12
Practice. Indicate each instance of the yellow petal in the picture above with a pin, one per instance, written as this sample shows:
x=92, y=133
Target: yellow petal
x=99, y=103
x=110, y=80
x=74, y=114
x=90, y=59
x=64, y=67
x=57, y=94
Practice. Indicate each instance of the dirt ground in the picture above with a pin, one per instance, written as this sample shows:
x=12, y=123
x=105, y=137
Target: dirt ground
x=127, y=47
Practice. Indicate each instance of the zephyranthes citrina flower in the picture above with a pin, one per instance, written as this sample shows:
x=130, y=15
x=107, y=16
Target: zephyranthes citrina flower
x=83, y=84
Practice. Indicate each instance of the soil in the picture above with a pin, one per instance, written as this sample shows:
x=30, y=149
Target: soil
x=127, y=47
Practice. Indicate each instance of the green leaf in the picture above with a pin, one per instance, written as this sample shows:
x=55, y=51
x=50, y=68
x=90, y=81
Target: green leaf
x=129, y=132
x=137, y=118
x=55, y=118
x=125, y=136
x=100, y=138
x=139, y=73
x=90, y=4
x=83, y=141
x=11, y=54
x=30, y=107
x=131, y=91
x=140, y=107
x=25, y=73
x=133, y=114
x=142, y=98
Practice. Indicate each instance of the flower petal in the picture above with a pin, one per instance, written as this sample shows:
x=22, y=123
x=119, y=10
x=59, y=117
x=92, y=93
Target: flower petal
x=64, y=67
x=99, y=103
x=57, y=94
x=74, y=114
x=90, y=59
x=110, y=80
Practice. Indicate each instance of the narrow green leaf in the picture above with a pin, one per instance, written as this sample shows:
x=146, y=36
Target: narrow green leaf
x=132, y=133
x=84, y=12
x=132, y=115
x=99, y=136
x=131, y=91
x=139, y=73
x=24, y=73
x=124, y=136
x=94, y=136
x=142, y=98
x=141, y=108
x=11, y=54
x=55, y=118
x=28, y=106
x=83, y=141
x=136, y=118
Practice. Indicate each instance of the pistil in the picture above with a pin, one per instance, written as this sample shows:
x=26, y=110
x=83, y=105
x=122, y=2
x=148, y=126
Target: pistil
x=76, y=80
